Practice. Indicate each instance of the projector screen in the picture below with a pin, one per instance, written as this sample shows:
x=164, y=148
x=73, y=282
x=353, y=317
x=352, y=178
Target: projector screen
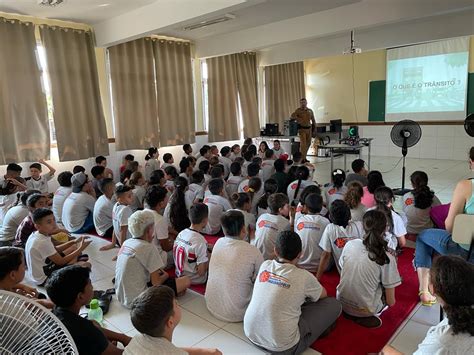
x=428, y=81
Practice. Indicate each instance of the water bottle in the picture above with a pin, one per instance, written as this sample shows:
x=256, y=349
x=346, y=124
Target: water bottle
x=95, y=312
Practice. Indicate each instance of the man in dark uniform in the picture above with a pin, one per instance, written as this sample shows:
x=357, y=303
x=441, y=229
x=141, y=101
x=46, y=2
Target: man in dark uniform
x=306, y=123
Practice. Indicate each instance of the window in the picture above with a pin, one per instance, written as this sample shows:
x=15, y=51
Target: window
x=46, y=84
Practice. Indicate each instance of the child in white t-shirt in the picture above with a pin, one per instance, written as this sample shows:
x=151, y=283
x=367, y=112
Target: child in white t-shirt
x=195, y=191
x=137, y=183
x=120, y=214
x=368, y=262
x=270, y=224
x=38, y=181
x=103, y=209
x=353, y=198
x=296, y=187
x=190, y=248
x=151, y=162
x=252, y=171
x=235, y=152
x=242, y=203
x=269, y=188
x=311, y=189
x=336, y=190
x=310, y=227
x=157, y=199
x=336, y=235
x=224, y=159
x=42, y=257
x=14, y=218
x=217, y=205
x=139, y=264
x=277, y=149
x=168, y=160
x=268, y=165
x=234, y=179
x=61, y=194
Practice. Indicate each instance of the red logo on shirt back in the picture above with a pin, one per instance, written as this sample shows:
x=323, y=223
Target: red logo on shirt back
x=300, y=226
x=264, y=276
x=332, y=191
x=293, y=186
x=409, y=201
x=246, y=188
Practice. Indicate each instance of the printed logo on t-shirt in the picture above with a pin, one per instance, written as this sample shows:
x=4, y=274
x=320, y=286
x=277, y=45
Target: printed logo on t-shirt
x=308, y=225
x=409, y=201
x=270, y=277
x=127, y=251
x=246, y=188
x=293, y=186
x=267, y=224
x=332, y=191
x=341, y=242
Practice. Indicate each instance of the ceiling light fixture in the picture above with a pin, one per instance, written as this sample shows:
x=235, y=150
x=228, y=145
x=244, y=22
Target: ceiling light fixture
x=50, y=2
x=205, y=23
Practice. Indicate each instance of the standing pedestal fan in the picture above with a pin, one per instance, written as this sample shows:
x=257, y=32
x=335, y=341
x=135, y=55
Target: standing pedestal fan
x=405, y=134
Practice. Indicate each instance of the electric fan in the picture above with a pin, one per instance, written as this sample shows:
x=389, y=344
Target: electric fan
x=26, y=327
x=469, y=125
x=405, y=134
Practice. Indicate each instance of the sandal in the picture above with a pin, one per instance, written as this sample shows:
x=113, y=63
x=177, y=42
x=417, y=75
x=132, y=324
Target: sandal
x=427, y=303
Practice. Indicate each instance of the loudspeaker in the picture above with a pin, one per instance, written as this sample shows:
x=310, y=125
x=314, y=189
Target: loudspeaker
x=271, y=129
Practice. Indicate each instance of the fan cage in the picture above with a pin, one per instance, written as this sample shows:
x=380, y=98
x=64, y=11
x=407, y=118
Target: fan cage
x=408, y=125
x=26, y=327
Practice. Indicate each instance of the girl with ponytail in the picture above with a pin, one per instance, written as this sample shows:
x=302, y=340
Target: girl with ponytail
x=151, y=162
x=369, y=274
x=176, y=212
x=396, y=230
x=353, y=198
x=336, y=190
x=296, y=187
x=417, y=203
x=241, y=202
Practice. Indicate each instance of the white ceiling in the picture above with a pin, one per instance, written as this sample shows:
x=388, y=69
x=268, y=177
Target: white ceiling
x=259, y=14
x=85, y=11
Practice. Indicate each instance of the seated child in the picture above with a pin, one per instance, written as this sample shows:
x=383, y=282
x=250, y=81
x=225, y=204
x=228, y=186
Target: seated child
x=311, y=189
x=151, y=162
x=336, y=190
x=270, y=224
x=360, y=173
x=262, y=148
x=78, y=209
x=103, y=209
x=269, y=188
x=280, y=176
x=336, y=235
x=98, y=173
x=71, y=289
x=185, y=168
x=190, y=247
x=126, y=160
x=137, y=184
x=289, y=308
x=156, y=332
x=232, y=270
x=234, y=179
x=205, y=154
x=296, y=187
x=310, y=227
x=78, y=169
x=12, y=174
x=102, y=161
x=120, y=215
x=42, y=257
x=168, y=160
x=235, y=152
x=38, y=181
x=224, y=159
x=26, y=227
x=176, y=211
x=353, y=199
x=248, y=156
x=417, y=203
x=217, y=205
x=268, y=165
x=61, y=194
x=188, y=150
x=170, y=175
x=157, y=198
x=139, y=263
x=396, y=230
x=12, y=273
x=13, y=219
x=367, y=262
x=195, y=192
x=205, y=166
x=242, y=203
x=374, y=181
x=277, y=149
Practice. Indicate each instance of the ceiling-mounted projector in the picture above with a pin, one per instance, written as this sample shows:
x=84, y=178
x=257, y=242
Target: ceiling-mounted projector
x=353, y=49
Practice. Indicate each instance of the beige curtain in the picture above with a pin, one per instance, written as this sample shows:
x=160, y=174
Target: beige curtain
x=134, y=94
x=175, y=95
x=284, y=87
x=79, y=120
x=222, y=99
x=24, y=125
x=246, y=66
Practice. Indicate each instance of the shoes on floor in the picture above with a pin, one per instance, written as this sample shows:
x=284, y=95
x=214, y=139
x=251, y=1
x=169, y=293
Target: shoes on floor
x=367, y=322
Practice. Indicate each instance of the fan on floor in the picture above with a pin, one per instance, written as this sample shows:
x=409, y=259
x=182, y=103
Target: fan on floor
x=405, y=134
x=26, y=327
x=469, y=125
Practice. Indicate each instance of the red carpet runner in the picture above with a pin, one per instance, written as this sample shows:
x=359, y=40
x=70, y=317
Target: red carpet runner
x=350, y=338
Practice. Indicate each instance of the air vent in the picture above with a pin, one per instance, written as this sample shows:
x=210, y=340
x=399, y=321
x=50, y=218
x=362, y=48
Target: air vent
x=205, y=23
x=50, y=2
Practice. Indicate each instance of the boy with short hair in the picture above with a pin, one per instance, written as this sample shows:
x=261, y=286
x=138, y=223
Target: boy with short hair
x=98, y=174
x=234, y=179
x=126, y=160
x=268, y=165
x=27, y=226
x=78, y=209
x=280, y=176
x=195, y=191
x=139, y=263
x=232, y=270
x=205, y=153
x=78, y=169
x=188, y=150
x=310, y=227
x=277, y=149
x=252, y=170
x=103, y=209
x=38, y=181
x=157, y=198
x=156, y=332
x=359, y=174
x=102, y=161
x=120, y=215
x=270, y=224
x=190, y=247
x=224, y=159
x=217, y=205
x=289, y=309
x=168, y=160
x=42, y=257
x=70, y=289
x=61, y=194
x=11, y=178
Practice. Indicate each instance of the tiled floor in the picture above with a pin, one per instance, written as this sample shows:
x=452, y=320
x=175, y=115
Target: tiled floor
x=199, y=328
